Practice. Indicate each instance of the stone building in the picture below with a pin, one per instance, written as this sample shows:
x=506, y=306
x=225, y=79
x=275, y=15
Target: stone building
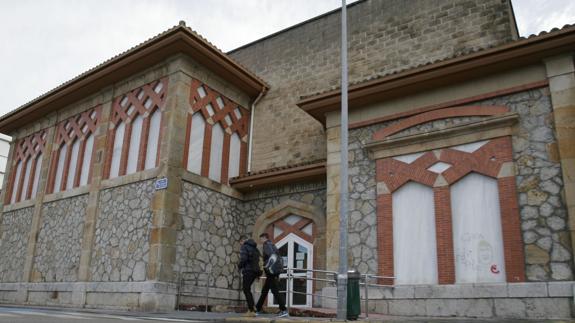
x=462, y=171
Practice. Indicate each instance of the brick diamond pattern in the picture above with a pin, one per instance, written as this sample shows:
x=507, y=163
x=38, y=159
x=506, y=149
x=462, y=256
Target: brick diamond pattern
x=217, y=108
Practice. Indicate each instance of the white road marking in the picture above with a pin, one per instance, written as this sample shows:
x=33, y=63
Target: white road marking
x=88, y=316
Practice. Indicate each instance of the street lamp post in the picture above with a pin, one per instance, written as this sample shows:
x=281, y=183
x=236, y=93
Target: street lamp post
x=343, y=208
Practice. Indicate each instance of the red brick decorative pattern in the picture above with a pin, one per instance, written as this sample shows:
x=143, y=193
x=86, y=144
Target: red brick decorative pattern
x=439, y=114
x=78, y=127
x=487, y=161
x=143, y=101
x=30, y=147
x=224, y=111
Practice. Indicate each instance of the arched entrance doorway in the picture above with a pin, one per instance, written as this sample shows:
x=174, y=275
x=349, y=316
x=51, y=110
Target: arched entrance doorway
x=293, y=236
x=298, y=230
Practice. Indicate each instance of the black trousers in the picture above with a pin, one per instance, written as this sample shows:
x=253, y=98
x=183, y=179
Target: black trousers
x=272, y=282
x=247, y=281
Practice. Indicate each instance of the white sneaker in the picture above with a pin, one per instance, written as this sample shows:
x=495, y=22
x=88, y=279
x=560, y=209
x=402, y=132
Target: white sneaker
x=283, y=314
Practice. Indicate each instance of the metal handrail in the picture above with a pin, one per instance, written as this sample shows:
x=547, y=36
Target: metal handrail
x=182, y=280
x=290, y=277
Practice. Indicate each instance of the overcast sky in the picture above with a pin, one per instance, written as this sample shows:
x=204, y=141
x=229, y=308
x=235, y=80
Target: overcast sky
x=45, y=43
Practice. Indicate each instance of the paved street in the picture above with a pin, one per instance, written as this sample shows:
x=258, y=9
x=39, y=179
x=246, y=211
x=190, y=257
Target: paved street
x=54, y=315
x=30, y=315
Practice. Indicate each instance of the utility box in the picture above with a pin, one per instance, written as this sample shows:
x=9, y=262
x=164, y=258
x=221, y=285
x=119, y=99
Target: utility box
x=353, y=300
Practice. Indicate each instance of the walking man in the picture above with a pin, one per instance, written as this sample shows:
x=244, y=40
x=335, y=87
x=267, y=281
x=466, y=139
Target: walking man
x=273, y=266
x=250, y=268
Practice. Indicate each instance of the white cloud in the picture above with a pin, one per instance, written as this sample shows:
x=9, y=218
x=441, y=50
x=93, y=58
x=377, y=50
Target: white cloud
x=534, y=16
x=46, y=43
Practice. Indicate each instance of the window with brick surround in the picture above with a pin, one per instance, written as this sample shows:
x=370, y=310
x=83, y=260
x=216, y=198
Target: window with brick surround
x=478, y=238
x=73, y=151
x=135, y=134
x=26, y=167
x=216, y=137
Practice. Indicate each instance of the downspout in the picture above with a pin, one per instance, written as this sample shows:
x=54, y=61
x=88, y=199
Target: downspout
x=251, y=137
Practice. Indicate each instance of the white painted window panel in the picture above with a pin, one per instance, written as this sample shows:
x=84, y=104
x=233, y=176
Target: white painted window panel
x=201, y=92
x=27, y=171
x=73, y=164
x=477, y=235
x=158, y=87
x=308, y=229
x=220, y=102
x=210, y=109
x=471, y=147
x=3, y=163
x=60, y=168
x=235, y=156
x=277, y=231
x=153, y=137
x=16, y=182
x=292, y=219
x=86, y=162
x=36, y=179
x=216, y=151
x=195, y=150
x=408, y=159
x=117, y=153
x=134, y=149
x=414, y=240
x=238, y=113
x=439, y=167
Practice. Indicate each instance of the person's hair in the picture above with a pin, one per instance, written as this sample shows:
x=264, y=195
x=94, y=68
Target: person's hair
x=265, y=235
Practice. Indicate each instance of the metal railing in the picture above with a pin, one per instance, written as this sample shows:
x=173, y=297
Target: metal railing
x=366, y=285
x=202, y=280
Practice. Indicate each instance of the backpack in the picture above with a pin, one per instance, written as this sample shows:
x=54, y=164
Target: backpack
x=275, y=263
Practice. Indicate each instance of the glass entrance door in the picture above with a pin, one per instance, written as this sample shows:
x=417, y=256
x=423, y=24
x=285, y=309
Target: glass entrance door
x=297, y=255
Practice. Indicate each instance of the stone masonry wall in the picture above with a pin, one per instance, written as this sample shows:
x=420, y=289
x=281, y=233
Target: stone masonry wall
x=57, y=256
x=14, y=233
x=208, y=239
x=384, y=36
x=538, y=179
x=122, y=244
x=212, y=224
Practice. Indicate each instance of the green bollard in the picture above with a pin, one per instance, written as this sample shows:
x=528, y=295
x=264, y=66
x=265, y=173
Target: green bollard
x=353, y=300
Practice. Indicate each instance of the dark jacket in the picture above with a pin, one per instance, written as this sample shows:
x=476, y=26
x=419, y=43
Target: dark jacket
x=250, y=258
x=269, y=249
x=270, y=267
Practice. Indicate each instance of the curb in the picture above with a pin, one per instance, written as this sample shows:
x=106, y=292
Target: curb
x=289, y=320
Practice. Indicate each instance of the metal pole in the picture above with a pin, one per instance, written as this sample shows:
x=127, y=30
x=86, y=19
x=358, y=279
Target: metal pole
x=288, y=289
x=366, y=296
x=179, y=291
x=343, y=208
x=207, y=291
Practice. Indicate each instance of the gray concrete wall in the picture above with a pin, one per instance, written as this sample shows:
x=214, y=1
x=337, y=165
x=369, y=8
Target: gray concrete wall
x=384, y=37
x=551, y=300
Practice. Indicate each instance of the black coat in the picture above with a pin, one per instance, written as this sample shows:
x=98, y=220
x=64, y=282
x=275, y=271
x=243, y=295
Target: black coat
x=250, y=258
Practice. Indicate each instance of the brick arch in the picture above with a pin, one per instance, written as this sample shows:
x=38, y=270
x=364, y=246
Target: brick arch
x=307, y=212
x=446, y=113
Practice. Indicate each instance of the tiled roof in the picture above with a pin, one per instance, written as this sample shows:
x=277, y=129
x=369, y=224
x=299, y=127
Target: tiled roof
x=279, y=169
x=180, y=26
x=456, y=55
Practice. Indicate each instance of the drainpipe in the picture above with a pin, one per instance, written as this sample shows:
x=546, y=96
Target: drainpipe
x=253, y=114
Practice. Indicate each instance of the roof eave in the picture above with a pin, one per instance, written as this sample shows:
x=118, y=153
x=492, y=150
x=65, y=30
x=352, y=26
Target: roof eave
x=316, y=171
x=520, y=53
x=177, y=40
